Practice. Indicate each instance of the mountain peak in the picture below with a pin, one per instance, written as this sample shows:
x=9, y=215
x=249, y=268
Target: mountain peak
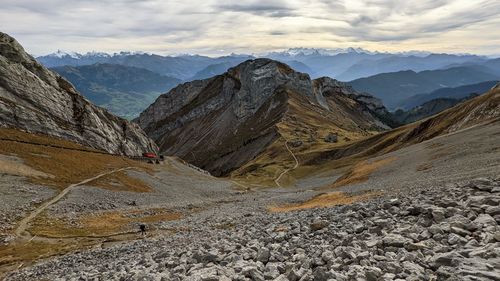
x=222, y=123
x=62, y=54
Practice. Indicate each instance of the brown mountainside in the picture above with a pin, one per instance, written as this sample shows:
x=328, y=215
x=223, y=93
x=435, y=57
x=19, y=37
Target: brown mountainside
x=484, y=108
x=222, y=123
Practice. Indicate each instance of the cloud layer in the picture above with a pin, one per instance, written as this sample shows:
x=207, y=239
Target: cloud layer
x=210, y=27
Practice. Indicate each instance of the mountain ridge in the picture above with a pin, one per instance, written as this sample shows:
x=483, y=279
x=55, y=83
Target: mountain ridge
x=223, y=122
x=34, y=99
x=455, y=92
x=394, y=87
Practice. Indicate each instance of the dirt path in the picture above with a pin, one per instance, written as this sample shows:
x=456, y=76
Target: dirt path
x=21, y=232
x=289, y=169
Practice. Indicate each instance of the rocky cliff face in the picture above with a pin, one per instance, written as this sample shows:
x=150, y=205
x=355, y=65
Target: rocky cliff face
x=223, y=122
x=35, y=99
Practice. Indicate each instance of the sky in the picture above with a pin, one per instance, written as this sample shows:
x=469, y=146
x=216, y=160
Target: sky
x=211, y=27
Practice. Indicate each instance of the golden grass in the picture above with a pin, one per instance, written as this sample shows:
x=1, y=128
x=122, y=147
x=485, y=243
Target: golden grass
x=18, y=135
x=324, y=201
x=266, y=167
x=14, y=167
x=479, y=110
x=225, y=226
x=27, y=252
x=121, y=181
x=88, y=231
x=310, y=124
x=424, y=167
x=103, y=224
x=361, y=172
x=65, y=165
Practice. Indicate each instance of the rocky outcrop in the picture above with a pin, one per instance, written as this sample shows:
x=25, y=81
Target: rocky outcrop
x=370, y=105
x=35, y=99
x=223, y=122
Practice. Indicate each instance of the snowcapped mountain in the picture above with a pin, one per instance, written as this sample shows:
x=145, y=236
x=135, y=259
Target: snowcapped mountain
x=294, y=52
x=63, y=54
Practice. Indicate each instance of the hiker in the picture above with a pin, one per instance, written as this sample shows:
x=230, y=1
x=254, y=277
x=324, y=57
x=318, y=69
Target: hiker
x=142, y=227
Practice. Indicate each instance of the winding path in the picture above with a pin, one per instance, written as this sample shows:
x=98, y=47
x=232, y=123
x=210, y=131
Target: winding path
x=289, y=169
x=21, y=232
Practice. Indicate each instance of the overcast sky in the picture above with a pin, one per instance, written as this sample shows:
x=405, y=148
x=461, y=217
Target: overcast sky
x=220, y=27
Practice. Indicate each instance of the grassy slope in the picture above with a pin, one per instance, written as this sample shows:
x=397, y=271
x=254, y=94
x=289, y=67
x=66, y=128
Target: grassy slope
x=64, y=166
x=485, y=108
x=309, y=124
x=61, y=163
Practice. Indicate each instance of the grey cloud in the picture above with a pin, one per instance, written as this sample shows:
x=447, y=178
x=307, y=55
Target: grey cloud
x=277, y=33
x=236, y=24
x=362, y=20
x=272, y=9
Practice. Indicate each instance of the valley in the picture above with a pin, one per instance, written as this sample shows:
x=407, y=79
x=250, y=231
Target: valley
x=207, y=209
x=255, y=171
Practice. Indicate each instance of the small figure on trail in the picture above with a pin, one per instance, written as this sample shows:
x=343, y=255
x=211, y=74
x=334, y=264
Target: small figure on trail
x=142, y=227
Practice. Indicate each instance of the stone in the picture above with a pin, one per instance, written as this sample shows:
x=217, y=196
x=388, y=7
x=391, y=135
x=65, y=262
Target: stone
x=460, y=231
x=372, y=273
x=296, y=143
x=484, y=220
x=438, y=214
x=396, y=240
x=263, y=255
x=446, y=259
x=456, y=239
x=331, y=137
x=321, y=274
x=295, y=274
x=492, y=210
x=318, y=225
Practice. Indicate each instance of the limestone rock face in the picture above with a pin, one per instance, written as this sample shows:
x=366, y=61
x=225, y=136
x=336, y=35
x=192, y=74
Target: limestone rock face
x=35, y=99
x=223, y=122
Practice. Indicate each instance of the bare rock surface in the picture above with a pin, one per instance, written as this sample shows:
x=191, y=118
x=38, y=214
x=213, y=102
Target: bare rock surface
x=445, y=232
x=34, y=99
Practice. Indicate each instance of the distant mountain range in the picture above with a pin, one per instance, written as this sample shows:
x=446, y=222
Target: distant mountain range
x=124, y=90
x=453, y=93
x=343, y=64
x=393, y=77
x=428, y=108
x=396, y=87
x=182, y=67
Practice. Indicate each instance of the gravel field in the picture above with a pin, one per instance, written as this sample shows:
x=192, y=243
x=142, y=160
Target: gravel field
x=170, y=190
x=18, y=199
x=446, y=232
x=431, y=222
x=471, y=153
